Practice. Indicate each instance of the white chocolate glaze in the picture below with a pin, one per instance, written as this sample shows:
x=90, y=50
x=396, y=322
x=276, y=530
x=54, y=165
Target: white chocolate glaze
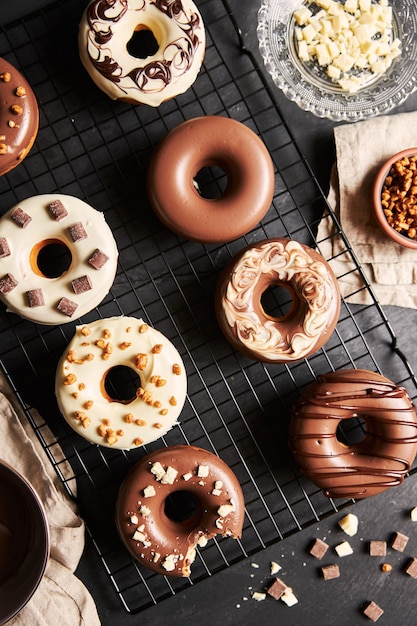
x=108, y=25
x=98, y=347
x=316, y=301
x=24, y=244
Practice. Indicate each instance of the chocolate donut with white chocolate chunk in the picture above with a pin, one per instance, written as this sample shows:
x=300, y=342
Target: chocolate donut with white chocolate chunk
x=35, y=230
x=165, y=541
x=19, y=117
x=380, y=460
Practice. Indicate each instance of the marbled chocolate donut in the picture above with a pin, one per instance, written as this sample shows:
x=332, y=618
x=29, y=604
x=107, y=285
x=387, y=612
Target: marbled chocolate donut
x=315, y=301
x=19, y=117
x=106, y=44
x=203, y=142
x=164, y=542
x=380, y=460
x=59, y=222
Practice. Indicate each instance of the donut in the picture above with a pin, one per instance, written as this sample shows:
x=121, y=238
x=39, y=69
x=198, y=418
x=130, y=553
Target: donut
x=206, y=142
x=19, y=117
x=150, y=370
x=311, y=284
x=142, y=51
x=384, y=455
x=205, y=494
x=34, y=231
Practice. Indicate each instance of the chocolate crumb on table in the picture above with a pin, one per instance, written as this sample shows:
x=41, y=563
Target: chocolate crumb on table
x=373, y=611
x=330, y=571
x=411, y=568
x=277, y=589
x=399, y=542
x=377, y=548
x=319, y=549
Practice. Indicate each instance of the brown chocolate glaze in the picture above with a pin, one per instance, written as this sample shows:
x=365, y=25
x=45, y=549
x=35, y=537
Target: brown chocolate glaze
x=19, y=117
x=152, y=536
x=204, y=142
x=314, y=292
x=380, y=460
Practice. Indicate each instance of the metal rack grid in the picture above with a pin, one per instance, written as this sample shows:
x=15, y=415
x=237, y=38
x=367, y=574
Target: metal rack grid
x=98, y=150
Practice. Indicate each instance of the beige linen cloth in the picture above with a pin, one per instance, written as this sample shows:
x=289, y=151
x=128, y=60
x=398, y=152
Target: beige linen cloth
x=61, y=597
x=391, y=269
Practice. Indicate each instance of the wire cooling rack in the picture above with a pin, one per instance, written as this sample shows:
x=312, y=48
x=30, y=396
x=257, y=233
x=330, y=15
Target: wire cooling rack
x=98, y=150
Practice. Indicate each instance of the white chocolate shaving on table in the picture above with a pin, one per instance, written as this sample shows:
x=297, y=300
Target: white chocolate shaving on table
x=353, y=41
x=309, y=278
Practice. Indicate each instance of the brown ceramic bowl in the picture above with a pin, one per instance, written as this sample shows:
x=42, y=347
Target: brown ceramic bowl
x=376, y=199
x=24, y=542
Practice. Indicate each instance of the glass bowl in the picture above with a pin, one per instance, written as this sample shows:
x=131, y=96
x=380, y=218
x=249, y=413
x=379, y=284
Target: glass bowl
x=307, y=84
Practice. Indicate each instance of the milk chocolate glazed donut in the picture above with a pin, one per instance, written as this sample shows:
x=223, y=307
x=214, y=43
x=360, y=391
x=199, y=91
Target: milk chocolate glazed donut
x=204, y=142
x=19, y=117
x=150, y=534
x=385, y=455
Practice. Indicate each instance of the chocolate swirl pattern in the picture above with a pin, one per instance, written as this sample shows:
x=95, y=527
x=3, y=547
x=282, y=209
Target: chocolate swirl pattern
x=315, y=307
x=385, y=454
x=108, y=25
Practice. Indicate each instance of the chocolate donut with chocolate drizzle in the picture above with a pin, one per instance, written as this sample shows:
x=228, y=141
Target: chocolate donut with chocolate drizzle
x=385, y=454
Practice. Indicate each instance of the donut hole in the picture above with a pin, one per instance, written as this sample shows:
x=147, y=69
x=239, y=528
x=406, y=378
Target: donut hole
x=277, y=302
x=351, y=431
x=211, y=182
x=143, y=43
x=182, y=508
x=120, y=384
x=50, y=258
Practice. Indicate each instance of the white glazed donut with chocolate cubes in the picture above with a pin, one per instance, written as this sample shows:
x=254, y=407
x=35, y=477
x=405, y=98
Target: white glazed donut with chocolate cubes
x=120, y=383
x=58, y=258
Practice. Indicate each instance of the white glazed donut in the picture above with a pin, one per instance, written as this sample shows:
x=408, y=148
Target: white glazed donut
x=107, y=27
x=80, y=383
x=28, y=229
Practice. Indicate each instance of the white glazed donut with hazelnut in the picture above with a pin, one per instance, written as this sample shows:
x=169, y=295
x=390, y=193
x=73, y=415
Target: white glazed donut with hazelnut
x=72, y=226
x=94, y=409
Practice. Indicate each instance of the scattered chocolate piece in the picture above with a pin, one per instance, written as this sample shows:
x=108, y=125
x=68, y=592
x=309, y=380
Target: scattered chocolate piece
x=319, y=549
x=67, y=307
x=277, y=589
x=4, y=248
x=377, y=548
x=330, y=571
x=399, y=542
x=77, y=232
x=20, y=217
x=82, y=284
x=373, y=611
x=57, y=209
x=7, y=283
x=411, y=568
x=98, y=259
x=35, y=297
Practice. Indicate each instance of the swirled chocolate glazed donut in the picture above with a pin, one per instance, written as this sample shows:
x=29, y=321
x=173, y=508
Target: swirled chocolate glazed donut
x=209, y=501
x=19, y=117
x=133, y=72
x=380, y=460
x=315, y=301
x=205, y=142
